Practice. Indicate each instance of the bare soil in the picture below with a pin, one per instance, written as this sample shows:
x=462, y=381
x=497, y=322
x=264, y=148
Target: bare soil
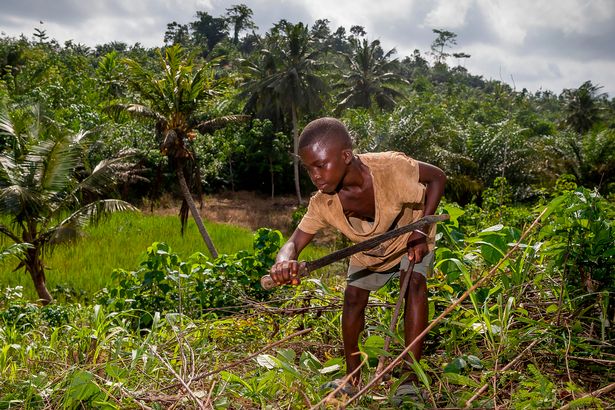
x=248, y=210
x=245, y=209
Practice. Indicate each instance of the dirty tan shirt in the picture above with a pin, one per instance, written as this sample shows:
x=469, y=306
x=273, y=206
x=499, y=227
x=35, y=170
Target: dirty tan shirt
x=399, y=200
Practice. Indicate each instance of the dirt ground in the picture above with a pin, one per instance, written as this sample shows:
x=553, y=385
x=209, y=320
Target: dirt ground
x=246, y=209
x=249, y=210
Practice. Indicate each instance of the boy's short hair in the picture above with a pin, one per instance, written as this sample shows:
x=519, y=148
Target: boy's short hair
x=325, y=129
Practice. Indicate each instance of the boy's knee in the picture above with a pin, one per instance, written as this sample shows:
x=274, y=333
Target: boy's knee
x=355, y=297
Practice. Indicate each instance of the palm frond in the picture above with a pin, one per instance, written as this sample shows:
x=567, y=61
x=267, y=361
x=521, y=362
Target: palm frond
x=216, y=123
x=137, y=111
x=92, y=213
x=9, y=233
x=56, y=161
x=19, y=200
x=16, y=250
x=9, y=171
x=103, y=175
x=6, y=126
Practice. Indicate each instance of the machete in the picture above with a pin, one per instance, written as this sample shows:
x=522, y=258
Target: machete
x=306, y=267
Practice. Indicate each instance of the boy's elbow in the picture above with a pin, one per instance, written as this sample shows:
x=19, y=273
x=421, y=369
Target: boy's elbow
x=440, y=176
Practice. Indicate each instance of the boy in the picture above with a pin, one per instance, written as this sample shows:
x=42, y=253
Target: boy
x=363, y=196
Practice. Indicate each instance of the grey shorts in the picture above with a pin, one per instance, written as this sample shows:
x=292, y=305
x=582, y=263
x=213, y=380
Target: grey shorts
x=363, y=278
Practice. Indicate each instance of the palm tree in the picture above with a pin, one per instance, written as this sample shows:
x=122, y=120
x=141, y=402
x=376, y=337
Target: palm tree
x=371, y=78
x=46, y=202
x=171, y=100
x=240, y=17
x=582, y=107
x=287, y=79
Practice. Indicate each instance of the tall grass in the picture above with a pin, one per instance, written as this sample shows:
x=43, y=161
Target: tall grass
x=85, y=265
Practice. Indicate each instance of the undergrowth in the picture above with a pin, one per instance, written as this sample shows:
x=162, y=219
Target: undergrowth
x=196, y=333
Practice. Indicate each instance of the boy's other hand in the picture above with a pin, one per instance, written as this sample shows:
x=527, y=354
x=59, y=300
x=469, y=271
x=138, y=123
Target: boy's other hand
x=417, y=247
x=286, y=272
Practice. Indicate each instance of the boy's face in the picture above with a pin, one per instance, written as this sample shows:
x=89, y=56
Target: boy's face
x=326, y=164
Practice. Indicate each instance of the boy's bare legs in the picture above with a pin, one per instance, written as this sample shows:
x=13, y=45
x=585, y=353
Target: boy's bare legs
x=353, y=322
x=415, y=314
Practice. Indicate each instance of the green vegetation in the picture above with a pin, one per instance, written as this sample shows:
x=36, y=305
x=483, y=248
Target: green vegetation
x=526, y=338
x=138, y=313
x=80, y=269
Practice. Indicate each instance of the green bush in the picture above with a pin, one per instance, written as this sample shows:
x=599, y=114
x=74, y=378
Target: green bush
x=165, y=283
x=580, y=246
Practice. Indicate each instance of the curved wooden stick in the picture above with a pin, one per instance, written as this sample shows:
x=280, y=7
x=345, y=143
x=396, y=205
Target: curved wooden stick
x=393, y=324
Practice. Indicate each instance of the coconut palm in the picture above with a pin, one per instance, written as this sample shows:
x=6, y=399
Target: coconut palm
x=583, y=108
x=171, y=100
x=371, y=77
x=46, y=196
x=286, y=79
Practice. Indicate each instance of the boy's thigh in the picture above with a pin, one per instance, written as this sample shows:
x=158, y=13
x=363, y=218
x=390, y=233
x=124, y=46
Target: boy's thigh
x=363, y=278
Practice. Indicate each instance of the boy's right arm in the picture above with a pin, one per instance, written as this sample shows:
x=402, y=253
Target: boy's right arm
x=286, y=267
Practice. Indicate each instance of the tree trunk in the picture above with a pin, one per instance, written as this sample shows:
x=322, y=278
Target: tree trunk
x=271, y=174
x=296, y=151
x=195, y=213
x=35, y=268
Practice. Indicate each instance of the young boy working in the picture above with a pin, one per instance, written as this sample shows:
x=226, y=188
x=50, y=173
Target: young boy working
x=363, y=196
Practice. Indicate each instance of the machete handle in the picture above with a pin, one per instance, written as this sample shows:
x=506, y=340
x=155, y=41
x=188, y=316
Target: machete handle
x=268, y=283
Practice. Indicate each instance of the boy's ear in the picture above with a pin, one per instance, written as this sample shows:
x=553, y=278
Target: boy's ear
x=347, y=155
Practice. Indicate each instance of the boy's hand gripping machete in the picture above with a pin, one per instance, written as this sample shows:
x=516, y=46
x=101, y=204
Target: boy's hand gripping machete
x=306, y=267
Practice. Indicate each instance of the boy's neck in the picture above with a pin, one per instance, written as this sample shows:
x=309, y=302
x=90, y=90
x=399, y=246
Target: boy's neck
x=357, y=174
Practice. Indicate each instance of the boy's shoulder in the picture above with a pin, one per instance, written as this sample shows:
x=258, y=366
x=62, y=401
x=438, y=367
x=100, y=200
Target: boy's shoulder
x=384, y=158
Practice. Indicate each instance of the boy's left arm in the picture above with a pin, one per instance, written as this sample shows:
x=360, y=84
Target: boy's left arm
x=434, y=180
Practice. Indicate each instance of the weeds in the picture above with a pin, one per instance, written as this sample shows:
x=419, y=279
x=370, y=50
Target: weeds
x=526, y=338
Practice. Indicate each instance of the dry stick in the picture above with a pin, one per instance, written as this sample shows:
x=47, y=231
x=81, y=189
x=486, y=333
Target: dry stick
x=604, y=390
x=208, y=401
x=178, y=377
x=591, y=359
x=269, y=346
x=503, y=369
x=393, y=325
x=566, y=357
x=467, y=293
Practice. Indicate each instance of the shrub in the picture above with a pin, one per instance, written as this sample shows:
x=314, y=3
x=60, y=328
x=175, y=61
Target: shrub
x=164, y=283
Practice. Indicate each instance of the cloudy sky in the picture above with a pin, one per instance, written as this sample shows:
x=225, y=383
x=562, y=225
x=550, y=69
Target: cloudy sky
x=536, y=44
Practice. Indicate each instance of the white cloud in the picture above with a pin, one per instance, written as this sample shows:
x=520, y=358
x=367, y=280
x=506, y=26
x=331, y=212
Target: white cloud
x=535, y=73
x=553, y=44
x=451, y=15
x=513, y=20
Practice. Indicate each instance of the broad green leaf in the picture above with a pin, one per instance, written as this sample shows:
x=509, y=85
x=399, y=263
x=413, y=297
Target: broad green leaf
x=474, y=362
x=267, y=361
x=330, y=369
x=461, y=380
x=457, y=365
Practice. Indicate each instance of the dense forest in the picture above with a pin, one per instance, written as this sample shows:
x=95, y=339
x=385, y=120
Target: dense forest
x=86, y=132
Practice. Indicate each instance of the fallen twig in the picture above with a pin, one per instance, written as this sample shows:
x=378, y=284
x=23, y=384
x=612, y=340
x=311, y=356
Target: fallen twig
x=505, y=368
x=594, y=360
x=238, y=362
x=599, y=392
x=178, y=377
